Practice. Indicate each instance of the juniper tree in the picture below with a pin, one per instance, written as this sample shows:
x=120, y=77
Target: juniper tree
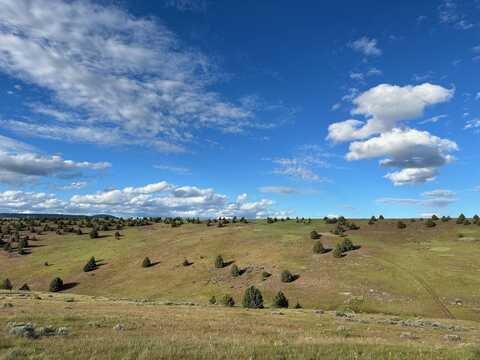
x=227, y=300
x=93, y=233
x=252, y=298
x=235, y=271
x=6, y=285
x=430, y=223
x=314, y=235
x=219, y=263
x=146, y=262
x=280, y=300
x=338, y=251
x=117, y=235
x=318, y=248
x=401, y=225
x=56, y=285
x=90, y=265
x=24, y=287
x=287, y=276
x=461, y=219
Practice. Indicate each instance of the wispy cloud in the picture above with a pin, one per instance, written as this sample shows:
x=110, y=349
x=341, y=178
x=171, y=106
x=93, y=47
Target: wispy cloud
x=174, y=169
x=187, y=5
x=367, y=46
x=449, y=12
x=432, y=199
x=128, y=80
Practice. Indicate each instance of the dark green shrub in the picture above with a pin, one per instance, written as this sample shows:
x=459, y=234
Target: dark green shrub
x=252, y=298
x=24, y=287
x=287, y=276
x=186, y=263
x=90, y=265
x=318, y=248
x=265, y=275
x=280, y=300
x=93, y=233
x=6, y=285
x=297, y=306
x=401, y=225
x=381, y=217
x=235, y=271
x=315, y=235
x=347, y=245
x=461, y=219
x=338, y=251
x=213, y=300
x=227, y=300
x=117, y=235
x=435, y=217
x=430, y=223
x=219, y=263
x=56, y=285
x=23, y=243
x=146, y=263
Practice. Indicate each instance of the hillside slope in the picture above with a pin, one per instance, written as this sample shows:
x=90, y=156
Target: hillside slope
x=420, y=271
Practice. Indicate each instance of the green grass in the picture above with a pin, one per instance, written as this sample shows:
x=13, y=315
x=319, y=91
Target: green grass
x=416, y=271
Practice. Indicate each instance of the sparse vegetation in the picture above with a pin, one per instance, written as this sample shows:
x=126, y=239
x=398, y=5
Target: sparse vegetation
x=146, y=262
x=6, y=285
x=56, y=285
x=286, y=276
x=235, y=271
x=318, y=248
x=280, y=300
x=252, y=298
x=90, y=265
x=219, y=263
x=228, y=301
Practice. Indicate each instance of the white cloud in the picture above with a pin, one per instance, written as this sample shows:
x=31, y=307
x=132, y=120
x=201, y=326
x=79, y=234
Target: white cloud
x=174, y=169
x=384, y=106
x=472, y=124
x=417, y=154
x=449, y=13
x=284, y=190
x=366, y=46
x=433, y=119
x=114, y=78
x=76, y=185
x=20, y=162
x=432, y=199
x=363, y=76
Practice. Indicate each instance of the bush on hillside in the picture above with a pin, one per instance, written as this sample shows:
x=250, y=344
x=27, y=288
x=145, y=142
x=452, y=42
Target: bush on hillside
x=56, y=285
x=338, y=251
x=93, y=233
x=219, y=263
x=228, y=301
x=287, y=276
x=461, y=219
x=146, y=262
x=6, y=285
x=401, y=225
x=90, y=265
x=212, y=300
x=265, y=275
x=318, y=248
x=315, y=235
x=430, y=223
x=24, y=287
x=252, y=298
x=235, y=271
x=280, y=300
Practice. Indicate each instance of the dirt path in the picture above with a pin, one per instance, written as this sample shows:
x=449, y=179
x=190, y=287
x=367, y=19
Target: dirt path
x=424, y=285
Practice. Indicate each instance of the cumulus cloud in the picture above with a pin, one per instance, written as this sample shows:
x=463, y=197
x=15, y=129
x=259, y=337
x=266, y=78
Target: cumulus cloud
x=433, y=199
x=384, y=106
x=114, y=78
x=417, y=154
x=366, y=46
x=20, y=162
x=157, y=199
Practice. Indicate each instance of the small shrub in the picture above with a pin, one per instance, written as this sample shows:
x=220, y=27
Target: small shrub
x=6, y=285
x=401, y=225
x=56, y=285
x=228, y=301
x=212, y=300
x=90, y=265
x=430, y=223
x=146, y=262
x=287, y=276
x=93, y=234
x=280, y=300
x=117, y=235
x=253, y=298
x=297, y=306
x=24, y=287
x=235, y=271
x=219, y=263
x=186, y=263
x=318, y=248
x=461, y=219
x=315, y=235
x=266, y=275
x=347, y=245
x=338, y=251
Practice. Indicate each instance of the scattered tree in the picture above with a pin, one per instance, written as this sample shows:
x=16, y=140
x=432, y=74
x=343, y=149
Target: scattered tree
x=219, y=263
x=90, y=265
x=235, y=271
x=212, y=300
x=6, y=285
x=338, y=251
x=265, y=275
x=253, y=298
x=280, y=300
x=315, y=235
x=24, y=287
x=401, y=225
x=146, y=262
x=93, y=233
x=461, y=219
x=228, y=301
x=287, y=276
x=430, y=223
x=318, y=248
x=56, y=285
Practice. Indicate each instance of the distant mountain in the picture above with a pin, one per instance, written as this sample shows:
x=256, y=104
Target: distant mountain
x=67, y=216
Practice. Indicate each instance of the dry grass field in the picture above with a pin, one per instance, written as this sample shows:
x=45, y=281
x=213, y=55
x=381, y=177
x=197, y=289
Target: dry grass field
x=410, y=273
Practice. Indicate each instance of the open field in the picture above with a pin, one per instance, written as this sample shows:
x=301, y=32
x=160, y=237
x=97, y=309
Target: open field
x=106, y=329
x=421, y=271
x=395, y=275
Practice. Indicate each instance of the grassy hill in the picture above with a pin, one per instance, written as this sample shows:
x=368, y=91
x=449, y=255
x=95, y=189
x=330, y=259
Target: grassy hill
x=416, y=271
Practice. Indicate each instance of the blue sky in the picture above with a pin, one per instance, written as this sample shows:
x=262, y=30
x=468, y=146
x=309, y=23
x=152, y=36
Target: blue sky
x=213, y=108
